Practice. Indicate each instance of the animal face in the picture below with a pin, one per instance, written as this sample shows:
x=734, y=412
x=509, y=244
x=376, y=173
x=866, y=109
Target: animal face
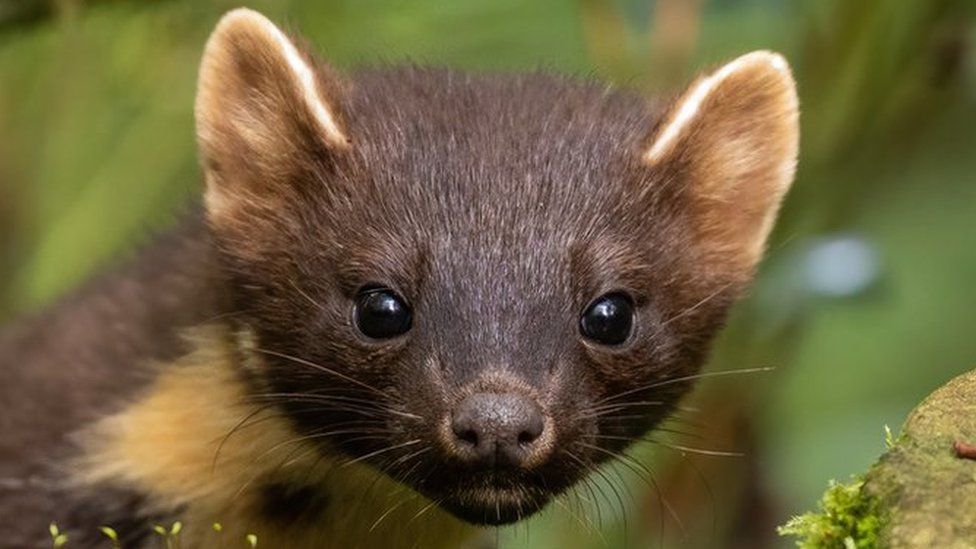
x=481, y=285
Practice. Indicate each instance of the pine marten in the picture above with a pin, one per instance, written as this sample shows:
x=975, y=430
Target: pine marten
x=413, y=301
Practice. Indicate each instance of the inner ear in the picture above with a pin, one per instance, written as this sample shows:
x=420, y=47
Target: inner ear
x=732, y=139
x=264, y=106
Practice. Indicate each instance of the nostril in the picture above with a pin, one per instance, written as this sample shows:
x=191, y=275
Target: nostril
x=527, y=437
x=467, y=436
x=532, y=428
x=465, y=427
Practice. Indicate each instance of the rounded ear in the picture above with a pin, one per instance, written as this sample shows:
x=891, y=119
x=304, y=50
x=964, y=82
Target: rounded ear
x=732, y=139
x=264, y=107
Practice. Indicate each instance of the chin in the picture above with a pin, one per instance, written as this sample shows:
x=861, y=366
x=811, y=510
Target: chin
x=491, y=499
x=494, y=507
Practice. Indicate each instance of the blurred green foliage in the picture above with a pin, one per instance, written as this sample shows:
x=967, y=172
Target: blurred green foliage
x=97, y=150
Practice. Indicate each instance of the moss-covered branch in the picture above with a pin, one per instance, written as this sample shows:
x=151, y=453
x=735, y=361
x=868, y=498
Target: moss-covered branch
x=921, y=493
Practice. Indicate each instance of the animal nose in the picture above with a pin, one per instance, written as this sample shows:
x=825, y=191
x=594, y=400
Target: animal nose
x=497, y=429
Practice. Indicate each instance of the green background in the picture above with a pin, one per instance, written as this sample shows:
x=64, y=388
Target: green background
x=97, y=151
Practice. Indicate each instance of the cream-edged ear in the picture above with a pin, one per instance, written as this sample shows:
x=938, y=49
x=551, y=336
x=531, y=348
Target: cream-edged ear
x=732, y=137
x=263, y=107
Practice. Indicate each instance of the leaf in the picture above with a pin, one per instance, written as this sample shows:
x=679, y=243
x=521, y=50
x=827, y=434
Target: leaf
x=109, y=532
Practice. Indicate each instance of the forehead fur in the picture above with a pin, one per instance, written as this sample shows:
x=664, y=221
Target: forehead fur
x=510, y=148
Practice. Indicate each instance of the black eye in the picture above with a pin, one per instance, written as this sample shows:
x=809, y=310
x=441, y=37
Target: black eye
x=608, y=320
x=381, y=314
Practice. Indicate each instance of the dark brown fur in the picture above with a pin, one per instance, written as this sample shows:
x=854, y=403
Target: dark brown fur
x=498, y=205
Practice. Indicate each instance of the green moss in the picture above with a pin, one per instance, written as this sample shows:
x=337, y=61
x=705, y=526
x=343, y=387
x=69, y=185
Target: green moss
x=848, y=518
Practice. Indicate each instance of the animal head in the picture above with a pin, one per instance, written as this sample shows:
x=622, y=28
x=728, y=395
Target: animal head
x=481, y=285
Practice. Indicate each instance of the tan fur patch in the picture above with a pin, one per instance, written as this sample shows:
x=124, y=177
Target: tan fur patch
x=165, y=444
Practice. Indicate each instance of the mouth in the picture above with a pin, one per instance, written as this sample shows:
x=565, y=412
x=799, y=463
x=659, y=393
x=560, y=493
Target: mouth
x=484, y=496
